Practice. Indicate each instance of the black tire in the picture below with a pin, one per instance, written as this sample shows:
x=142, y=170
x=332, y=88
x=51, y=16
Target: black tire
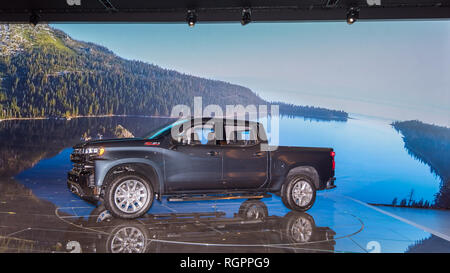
x=110, y=195
x=284, y=197
x=287, y=192
x=253, y=210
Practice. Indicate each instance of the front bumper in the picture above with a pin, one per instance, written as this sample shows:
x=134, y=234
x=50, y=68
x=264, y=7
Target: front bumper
x=80, y=183
x=330, y=184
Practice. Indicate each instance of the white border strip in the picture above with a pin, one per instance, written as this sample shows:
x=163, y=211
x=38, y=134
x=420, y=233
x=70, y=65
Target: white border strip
x=429, y=230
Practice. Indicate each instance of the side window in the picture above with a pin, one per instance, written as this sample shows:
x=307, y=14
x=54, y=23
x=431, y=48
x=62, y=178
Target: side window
x=240, y=135
x=199, y=135
x=205, y=135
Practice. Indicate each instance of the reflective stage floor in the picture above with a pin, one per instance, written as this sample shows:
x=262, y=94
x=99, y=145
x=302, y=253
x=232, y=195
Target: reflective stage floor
x=37, y=216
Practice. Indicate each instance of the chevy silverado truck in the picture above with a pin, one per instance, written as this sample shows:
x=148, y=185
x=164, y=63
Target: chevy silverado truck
x=197, y=159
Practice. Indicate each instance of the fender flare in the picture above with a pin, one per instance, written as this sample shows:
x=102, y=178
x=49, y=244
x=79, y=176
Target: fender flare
x=102, y=168
x=308, y=170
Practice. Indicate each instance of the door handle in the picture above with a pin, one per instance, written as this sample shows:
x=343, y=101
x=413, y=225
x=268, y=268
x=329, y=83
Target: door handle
x=258, y=154
x=212, y=153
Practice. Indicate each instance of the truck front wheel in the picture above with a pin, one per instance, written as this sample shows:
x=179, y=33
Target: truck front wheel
x=128, y=196
x=299, y=192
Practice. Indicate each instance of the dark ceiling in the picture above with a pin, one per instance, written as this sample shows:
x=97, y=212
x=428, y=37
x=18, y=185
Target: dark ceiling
x=217, y=10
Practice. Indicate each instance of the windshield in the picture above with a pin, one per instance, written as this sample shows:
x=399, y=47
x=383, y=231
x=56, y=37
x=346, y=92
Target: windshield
x=163, y=130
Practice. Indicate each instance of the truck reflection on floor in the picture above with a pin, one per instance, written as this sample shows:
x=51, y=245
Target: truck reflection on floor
x=251, y=229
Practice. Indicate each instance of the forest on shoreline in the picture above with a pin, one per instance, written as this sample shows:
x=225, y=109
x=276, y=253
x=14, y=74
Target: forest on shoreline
x=429, y=144
x=44, y=73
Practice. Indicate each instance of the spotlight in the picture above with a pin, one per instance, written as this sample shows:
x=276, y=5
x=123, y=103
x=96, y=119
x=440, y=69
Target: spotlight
x=246, y=16
x=191, y=18
x=34, y=18
x=352, y=15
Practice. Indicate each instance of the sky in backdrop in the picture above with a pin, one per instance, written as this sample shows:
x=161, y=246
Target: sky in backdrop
x=397, y=70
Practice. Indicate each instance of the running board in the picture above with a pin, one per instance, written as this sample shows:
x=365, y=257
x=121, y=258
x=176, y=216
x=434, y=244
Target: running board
x=217, y=197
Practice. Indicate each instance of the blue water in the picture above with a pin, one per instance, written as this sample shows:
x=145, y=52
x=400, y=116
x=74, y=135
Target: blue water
x=371, y=162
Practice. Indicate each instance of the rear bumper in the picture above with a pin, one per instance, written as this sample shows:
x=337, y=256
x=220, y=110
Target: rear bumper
x=330, y=184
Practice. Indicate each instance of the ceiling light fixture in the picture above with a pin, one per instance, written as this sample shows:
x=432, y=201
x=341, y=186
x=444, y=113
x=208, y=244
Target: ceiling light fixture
x=191, y=18
x=246, y=16
x=34, y=18
x=352, y=15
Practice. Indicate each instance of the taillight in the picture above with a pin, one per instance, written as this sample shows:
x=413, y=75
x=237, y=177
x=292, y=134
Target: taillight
x=332, y=154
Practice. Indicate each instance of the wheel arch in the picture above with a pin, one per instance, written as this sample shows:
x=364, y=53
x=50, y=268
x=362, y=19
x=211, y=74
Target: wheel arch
x=143, y=167
x=307, y=170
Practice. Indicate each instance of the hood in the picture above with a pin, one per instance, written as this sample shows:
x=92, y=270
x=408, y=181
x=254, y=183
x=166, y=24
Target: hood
x=107, y=142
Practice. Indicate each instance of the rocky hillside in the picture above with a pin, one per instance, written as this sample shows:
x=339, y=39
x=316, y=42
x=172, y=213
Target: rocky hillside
x=45, y=73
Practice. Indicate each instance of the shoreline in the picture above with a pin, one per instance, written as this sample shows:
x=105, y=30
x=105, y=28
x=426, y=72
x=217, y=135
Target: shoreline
x=97, y=116
x=6, y=119
x=408, y=207
x=150, y=116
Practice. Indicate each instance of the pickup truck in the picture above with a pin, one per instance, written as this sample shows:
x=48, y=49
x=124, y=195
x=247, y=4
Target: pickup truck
x=197, y=159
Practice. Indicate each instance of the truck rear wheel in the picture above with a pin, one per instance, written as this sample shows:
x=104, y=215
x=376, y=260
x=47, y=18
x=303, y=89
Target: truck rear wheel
x=128, y=196
x=299, y=192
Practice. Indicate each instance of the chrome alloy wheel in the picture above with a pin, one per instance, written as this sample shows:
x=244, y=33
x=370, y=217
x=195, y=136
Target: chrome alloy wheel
x=128, y=240
x=302, y=193
x=301, y=230
x=131, y=196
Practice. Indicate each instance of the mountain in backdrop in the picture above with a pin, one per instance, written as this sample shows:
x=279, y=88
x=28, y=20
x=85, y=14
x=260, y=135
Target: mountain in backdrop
x=46, y=73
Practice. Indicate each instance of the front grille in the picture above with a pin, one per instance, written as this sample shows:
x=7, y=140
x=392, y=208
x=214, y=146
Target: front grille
x=77, y=151
x=80, y=162
x=79, y=167
x=82, y=167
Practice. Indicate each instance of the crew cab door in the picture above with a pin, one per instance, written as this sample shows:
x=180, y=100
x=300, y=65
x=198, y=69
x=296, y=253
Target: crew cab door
x=245, y=166
x=195, y=162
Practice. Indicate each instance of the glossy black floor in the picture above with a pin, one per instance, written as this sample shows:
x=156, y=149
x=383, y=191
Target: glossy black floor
x=45, y=217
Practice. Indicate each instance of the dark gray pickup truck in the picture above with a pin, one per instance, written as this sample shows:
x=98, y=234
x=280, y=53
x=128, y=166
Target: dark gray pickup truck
x=204, y=159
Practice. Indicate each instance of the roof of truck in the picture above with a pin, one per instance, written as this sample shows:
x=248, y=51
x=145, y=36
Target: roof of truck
x=227, y=120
